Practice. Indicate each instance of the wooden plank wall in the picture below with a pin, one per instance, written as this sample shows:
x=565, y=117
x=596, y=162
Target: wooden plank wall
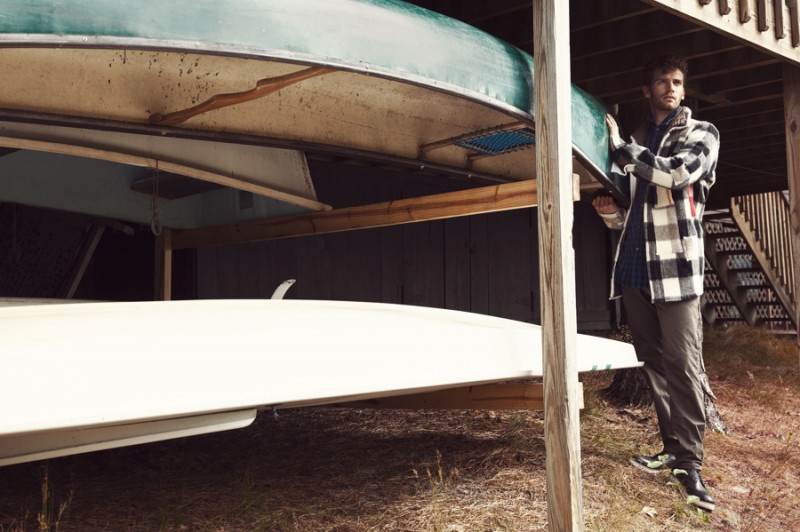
x=484, y=263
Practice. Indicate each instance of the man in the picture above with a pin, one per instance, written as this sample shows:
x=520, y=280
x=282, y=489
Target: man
x=658, y=270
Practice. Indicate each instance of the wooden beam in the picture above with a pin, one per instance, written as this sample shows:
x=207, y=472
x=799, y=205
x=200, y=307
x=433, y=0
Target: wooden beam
x=595, y=14
x=625, y=34
x=777, y=8
x=521, y=396
x=517, y=195
x=163, y=266
x=761, y=13
x=791, y=94
x=551, y=60
x=158, y=164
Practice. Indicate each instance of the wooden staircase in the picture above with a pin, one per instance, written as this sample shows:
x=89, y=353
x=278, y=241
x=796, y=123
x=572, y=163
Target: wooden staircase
x=749, y=274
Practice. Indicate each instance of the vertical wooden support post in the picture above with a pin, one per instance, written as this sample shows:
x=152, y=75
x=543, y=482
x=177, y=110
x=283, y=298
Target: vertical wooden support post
x=163, y=266
x=553, y=114
x=791, y=110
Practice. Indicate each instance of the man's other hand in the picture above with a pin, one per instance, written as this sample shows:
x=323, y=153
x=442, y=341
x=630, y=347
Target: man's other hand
x=604, y=204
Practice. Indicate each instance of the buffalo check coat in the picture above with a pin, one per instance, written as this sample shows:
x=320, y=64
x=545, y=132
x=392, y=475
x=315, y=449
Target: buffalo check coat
x=678, y=177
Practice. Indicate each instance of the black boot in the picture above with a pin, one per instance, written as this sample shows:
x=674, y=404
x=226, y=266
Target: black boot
x=696, y=492
x=655, y=463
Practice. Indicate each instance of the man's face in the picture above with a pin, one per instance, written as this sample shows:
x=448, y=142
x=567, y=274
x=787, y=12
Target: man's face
x=666, y=91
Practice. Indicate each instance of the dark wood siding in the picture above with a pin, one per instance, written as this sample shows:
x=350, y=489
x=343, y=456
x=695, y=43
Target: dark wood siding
x=486, y=264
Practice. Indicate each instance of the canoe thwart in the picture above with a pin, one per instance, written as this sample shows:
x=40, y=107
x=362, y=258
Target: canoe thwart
x=263, y=87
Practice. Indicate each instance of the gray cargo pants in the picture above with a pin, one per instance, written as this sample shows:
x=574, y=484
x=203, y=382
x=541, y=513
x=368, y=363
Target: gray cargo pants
x=668, y=339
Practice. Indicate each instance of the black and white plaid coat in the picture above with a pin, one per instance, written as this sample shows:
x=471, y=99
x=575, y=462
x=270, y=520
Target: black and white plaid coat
x=679, y=177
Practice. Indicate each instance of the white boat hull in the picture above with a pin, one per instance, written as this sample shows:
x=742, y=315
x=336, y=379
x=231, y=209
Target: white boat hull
x=79, y=376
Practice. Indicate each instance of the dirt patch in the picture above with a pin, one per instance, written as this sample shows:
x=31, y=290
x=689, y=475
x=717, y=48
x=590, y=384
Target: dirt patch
x=352, y=470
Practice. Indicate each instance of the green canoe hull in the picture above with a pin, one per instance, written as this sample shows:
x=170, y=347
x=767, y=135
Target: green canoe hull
x=398, y=77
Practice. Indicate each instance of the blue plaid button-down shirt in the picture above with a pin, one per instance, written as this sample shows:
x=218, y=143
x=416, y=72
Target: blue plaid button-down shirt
x=631, y=268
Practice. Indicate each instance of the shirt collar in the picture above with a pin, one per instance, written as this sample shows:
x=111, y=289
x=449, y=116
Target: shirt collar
x=666, y=121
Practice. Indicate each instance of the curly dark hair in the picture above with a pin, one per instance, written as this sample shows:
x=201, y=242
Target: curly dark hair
x=663, y=63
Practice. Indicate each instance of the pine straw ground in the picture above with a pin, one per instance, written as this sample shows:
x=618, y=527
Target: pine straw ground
x=353, y=470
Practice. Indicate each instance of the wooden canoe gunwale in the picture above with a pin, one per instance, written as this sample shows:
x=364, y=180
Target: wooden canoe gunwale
x=244, y=52
x=244, y=138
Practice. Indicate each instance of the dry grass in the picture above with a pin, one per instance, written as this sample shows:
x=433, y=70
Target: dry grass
x=354, y=470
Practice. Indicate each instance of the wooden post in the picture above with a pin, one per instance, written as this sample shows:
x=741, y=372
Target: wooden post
x=553, y=115
x=791, y=110
x=163, y=266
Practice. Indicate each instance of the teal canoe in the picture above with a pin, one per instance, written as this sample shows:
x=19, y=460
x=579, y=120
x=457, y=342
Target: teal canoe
x=371, y=78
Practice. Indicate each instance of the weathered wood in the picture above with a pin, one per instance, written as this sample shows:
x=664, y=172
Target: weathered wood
x=632, y=32
x=551, y=52
x=728, y=24
x=495, y=198
x=791, y=95
x=513, y=236
x=744, y=11
x=595, y=14
x=777, y=7
x=422, y=278
x=727, y=277
x=761, y=13
x=247, y=276
x=523, y=396
x=158, y=164
x=321, y=266
x=794, y=22
x=592, y=240
x=163, y=266
x=457, y=274
x=262, y=88
x=481, y=253
x=755, y=231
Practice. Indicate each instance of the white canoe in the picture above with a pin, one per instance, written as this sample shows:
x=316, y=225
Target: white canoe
x=82, y=377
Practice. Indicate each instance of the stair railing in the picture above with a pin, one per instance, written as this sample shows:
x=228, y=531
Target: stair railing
x=764, y=222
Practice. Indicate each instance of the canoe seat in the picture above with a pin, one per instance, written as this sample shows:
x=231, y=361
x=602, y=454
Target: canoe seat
x=488, y=142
